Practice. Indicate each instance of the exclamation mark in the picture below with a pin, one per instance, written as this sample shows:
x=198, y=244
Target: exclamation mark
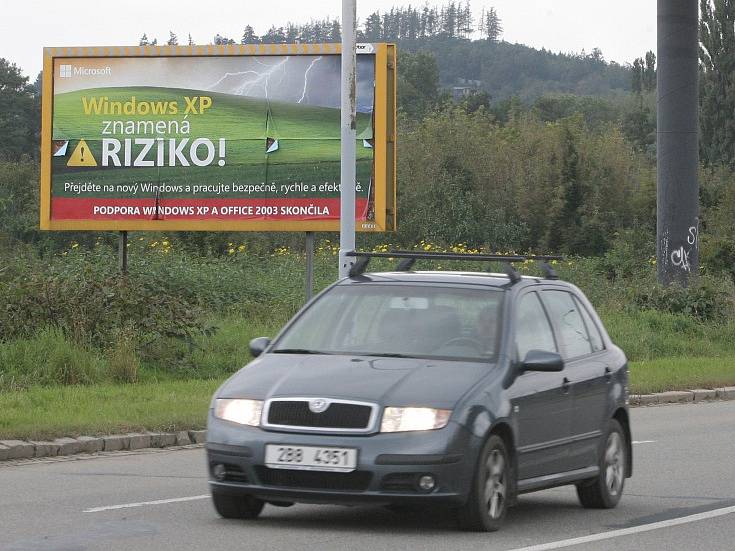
x=82, y=149
x=221, y=161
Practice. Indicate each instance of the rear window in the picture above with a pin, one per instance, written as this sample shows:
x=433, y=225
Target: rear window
x=424, y=321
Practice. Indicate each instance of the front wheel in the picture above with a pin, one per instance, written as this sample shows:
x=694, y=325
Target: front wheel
x=605, y=491
x=488, y=500
x=237, y=507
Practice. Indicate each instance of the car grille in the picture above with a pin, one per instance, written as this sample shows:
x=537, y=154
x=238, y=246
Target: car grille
x=356, y=481
x=339, y=415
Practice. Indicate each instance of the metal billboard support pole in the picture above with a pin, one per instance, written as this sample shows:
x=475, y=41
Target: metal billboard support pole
x=677, y=201
x=348, y=137
x=309, y=265
x=122, y=252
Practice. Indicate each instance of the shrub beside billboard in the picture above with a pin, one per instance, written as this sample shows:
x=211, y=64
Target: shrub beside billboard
x=229, y=138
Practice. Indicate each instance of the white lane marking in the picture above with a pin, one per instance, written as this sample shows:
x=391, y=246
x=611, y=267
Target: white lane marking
x=644, y=441
x=628, y=531
x=144, y=503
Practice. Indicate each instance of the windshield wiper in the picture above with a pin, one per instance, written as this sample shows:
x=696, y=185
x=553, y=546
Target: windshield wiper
x=297, y=351
x=385, y=354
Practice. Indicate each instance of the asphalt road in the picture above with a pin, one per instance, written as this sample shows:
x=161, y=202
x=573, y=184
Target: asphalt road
x=682, y=496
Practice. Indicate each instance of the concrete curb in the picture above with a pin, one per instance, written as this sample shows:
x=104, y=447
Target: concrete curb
x=683, y=396
x=18, y=449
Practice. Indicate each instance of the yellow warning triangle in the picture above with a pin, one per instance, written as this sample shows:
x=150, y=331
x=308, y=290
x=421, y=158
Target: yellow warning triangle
x=81, y=156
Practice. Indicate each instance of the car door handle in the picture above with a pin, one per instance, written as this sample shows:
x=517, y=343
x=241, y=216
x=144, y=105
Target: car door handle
x=566, y=383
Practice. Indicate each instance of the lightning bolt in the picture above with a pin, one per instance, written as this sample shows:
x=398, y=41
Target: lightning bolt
x=306, y=78
x=259, y=78
x=255, y=79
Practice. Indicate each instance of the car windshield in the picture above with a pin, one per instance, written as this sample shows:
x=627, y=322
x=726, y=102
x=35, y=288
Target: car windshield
x=418, y=321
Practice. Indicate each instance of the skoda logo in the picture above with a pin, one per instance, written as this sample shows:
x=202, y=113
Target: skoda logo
x=318, y=405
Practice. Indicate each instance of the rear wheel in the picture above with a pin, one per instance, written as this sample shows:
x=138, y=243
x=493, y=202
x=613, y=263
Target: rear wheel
x=239, y=507
x=605, y=491
x=488, y=500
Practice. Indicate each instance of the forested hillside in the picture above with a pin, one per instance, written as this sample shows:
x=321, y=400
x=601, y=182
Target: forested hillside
x=506, y=70
x=466, y=47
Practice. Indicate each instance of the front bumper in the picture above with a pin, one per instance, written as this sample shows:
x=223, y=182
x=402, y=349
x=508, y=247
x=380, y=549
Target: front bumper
x=388, y=469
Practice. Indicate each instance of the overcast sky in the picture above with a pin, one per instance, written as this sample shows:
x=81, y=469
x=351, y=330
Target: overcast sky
x=622, y=29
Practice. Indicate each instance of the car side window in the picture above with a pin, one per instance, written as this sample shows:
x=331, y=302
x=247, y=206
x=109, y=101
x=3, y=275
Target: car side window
x=575, y=340
x=533, y=331
x=592, y=329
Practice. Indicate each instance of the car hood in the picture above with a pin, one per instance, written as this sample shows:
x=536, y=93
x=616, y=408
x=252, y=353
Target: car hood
x=387, y=381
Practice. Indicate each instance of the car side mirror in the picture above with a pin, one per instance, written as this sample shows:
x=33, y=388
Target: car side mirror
x=541, y=360
x=259, y=344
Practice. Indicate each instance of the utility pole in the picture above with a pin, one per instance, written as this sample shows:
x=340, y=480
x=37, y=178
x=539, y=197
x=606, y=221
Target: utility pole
x=348, y=137
x=677, y=206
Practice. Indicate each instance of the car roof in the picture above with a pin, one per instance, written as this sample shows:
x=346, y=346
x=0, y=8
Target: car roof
x=468, y=278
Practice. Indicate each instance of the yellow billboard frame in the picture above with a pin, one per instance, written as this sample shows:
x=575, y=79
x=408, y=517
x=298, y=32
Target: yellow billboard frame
x=384, y=132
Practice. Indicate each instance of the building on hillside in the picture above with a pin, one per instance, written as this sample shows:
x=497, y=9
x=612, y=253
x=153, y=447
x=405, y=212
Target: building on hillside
x=464, y=88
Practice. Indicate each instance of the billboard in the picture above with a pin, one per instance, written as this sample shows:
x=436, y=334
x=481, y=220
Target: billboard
x=214, y=138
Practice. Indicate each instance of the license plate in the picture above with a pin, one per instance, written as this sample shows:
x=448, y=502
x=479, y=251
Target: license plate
x=310, y=458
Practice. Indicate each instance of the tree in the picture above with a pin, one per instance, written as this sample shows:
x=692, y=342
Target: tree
x=597, y=56
x=649, y=73
x=173, y=40
x=335, y=31
x=564, y=232
x=249, y=36
x=18, y=117
x=637, y=77
x=293, y=33
x=493, y=25
x=449, y=20
x=191, y=42
x=418, y=83
x=373, y=27
x=143, y=40
x=220, y=40
x=274, y=36
x=477, y=101
x=717, y=81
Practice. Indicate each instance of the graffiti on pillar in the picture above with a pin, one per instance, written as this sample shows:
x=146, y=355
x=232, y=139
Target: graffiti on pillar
x=680, y=256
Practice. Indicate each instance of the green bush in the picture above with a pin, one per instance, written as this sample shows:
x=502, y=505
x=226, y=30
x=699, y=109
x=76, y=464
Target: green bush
x=86, y=298
x=48, y=358
x=707, y=298
x=122, y=357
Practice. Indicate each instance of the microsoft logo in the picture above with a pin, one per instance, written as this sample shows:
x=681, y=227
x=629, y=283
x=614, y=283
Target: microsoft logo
x=65, y=71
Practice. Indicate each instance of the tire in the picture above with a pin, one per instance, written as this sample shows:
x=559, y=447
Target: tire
x=489, y=497
x=237, y=507
x=605, y=491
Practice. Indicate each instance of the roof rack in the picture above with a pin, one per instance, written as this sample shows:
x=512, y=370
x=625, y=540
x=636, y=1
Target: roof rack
x=409, y=258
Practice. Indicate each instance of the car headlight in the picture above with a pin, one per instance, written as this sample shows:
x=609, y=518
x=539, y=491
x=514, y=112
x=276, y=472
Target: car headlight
x=245, y=412
x=406, y=419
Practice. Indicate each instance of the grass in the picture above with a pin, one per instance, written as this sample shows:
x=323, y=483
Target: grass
x=50, y=357
x=681, y=374
x=50, y=412
x=649, y=335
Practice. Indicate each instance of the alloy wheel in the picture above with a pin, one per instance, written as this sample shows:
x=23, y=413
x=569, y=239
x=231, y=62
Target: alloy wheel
x=614, y=463
x=495, y=485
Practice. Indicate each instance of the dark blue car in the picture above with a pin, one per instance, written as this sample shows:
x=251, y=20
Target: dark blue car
x=459, y=389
